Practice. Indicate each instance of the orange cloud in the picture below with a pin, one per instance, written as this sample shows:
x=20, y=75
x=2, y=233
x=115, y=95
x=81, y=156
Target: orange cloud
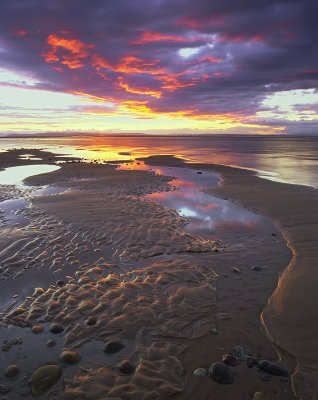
x=150, y=37
x=133, y=65
x=70, y=52
x=129, y=89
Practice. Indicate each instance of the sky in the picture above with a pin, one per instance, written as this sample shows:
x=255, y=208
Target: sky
x=159, y=66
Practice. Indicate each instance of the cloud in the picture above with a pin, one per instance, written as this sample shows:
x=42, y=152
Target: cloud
x=202, y=59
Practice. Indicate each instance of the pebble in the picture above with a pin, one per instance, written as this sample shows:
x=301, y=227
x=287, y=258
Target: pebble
x=221, y=373
x=231, y=360
x=200, y=372
x=12, y=370
x=70, y=357
x=214, y=331
x=50, y=343
x=258, y=396
x=112, y=347
x=273, y=368
x=236, y=270
x=60, y=282
x=264, y=376
x=37, y=292
x=125, y=367
x=4, y=389
x=56, y=328
x=44, y=378
x=256, y=268
x=91, y=321
x=37, y=329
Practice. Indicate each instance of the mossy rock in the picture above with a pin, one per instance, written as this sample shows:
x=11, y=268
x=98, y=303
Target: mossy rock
x=44, y=378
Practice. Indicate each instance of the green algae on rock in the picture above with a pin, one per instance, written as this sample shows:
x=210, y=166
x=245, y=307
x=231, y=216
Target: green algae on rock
x=44, y=378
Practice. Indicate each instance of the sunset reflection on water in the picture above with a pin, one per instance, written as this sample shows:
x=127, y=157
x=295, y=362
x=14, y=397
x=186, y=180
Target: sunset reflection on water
x=207, y=214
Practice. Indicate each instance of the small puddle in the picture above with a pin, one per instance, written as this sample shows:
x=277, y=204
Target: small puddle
x=10, y=210
x=16, y=175
x=209, y=216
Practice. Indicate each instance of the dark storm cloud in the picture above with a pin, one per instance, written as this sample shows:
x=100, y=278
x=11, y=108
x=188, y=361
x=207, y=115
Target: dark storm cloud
x=128, y=51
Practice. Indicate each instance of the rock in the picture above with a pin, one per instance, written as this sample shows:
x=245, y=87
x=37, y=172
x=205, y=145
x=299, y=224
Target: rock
x=38, y=291
x=44, y=378
x=199, y=172
x=50, y=343
x=250, y=362
x=273, y=368
x=91, y=321
x=236, y=270
x=4, y=389
x=231, y=360
x=112, y=347
x=221, y=373
x=37, y=329
x=70, y=357
x=256, y=268
x=12, y=370
x=56, y=328
x=200, y=372
x=258, y=396
x=125, y=367
x=60, y=282
x=264, y=376
x=214, y=331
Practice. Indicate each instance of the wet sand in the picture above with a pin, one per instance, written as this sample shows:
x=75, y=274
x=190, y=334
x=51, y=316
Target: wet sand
x=289, y=318
x=174, y=299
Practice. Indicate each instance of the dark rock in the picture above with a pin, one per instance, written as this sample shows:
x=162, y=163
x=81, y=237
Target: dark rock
x=199, y=172
x=125, y=367
x=70, y=357
x=50, y=343
x=256, y=268
x=221, y=373
x=112, y=347
x=4, y=389
x=60, y=282
x=273, y=368
x=264, y=376
x=56, y=328
x=91, y=321
x=12, y=370
x=44, y=378
x=231, y=360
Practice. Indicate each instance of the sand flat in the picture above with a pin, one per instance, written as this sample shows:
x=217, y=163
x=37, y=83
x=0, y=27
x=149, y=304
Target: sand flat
x=148, y=282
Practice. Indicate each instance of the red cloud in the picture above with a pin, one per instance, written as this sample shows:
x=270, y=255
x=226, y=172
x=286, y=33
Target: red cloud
x=150, y=37
x=70, y=52
x=147, y=92
x=20, y=32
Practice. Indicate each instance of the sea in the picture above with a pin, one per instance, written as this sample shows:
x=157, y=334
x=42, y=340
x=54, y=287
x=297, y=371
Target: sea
x=289, y=159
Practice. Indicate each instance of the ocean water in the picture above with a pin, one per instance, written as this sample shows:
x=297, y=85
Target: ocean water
x=287, y=159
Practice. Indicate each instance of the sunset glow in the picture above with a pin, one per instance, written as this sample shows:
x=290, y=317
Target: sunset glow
x=191, y=70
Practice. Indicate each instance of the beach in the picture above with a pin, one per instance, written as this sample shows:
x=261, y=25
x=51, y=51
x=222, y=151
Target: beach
x=107, y=260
